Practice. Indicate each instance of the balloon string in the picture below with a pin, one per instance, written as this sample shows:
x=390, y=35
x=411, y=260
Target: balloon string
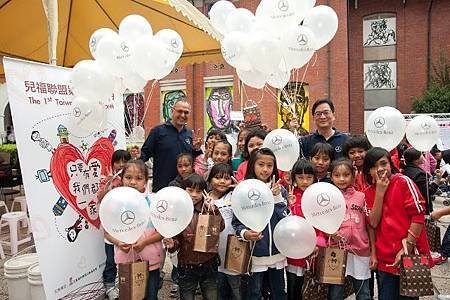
x=148, y=99
x=249, y=271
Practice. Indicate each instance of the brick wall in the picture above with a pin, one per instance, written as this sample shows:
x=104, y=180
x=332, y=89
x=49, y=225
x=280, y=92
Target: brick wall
x=412, y=48
x=327, y=75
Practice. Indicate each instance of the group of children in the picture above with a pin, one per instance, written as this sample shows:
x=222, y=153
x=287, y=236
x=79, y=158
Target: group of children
x=385, y=211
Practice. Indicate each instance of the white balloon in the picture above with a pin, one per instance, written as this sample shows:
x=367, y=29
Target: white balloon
x=252, y=202
x=171, y=211
x=298, y=46
x=88, y=115
x=323, y=21
x=252, y=78
x=264, y=53
x=234, y=50
x=423, y=132
x=133, y=27
x=114, y=55
x=294, y=237
x=149, y=57
x=134, y=83
x=323, y=205
x=285, y=146
x=279, y=79
x=124, y=213
x=219, y=13
x=278, y=15
x=240, y=19
x=160, y=74
x=90, y=80
x=303, y=7
x=96, y=38
x=385, y=127
x=173, y=42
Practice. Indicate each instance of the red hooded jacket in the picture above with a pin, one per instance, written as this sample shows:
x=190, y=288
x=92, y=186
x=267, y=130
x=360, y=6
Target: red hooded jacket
x=403, y=204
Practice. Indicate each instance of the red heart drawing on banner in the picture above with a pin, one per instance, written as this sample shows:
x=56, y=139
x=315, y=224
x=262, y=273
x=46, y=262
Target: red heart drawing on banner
x=77, y=178
x=407, y=262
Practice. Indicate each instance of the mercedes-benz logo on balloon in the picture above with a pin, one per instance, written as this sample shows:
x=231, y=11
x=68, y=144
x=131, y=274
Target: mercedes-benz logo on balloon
x=283, y=5
x=174, y=43
x=276, y=140
x=323, y=199
x=127, y=217
x=254, y=195
x=425, y=125
x=124, y=47
x=77, y=112
x=302, y=39
x=162, y=206
x=379, y=122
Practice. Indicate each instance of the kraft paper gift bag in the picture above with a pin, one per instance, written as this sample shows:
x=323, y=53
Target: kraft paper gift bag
x=207, y=233
x=331, y=265
x=238, y=256
x=133, y=280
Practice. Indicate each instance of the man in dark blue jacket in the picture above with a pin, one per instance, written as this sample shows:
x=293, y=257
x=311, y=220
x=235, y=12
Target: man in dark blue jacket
x=323, y=114
x=166, y=141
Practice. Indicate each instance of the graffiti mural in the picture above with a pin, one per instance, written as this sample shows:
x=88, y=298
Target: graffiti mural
x=219, y=103
x=168, y=99
x=380, y=75
x=380, y=32
x=134, y=110
x=293, y=108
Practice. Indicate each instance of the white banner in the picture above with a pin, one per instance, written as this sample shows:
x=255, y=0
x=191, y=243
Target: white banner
x=61, y=168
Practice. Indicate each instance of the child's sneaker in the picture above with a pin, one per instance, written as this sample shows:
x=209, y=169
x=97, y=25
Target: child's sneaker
x=439, y=259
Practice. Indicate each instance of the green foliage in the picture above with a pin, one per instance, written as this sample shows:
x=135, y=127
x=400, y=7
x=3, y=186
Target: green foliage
x=436, y=98
x=12, y=150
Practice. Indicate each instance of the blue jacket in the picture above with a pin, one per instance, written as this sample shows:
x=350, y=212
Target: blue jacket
x=164, y=143
x=265, y=246
x=336, y=141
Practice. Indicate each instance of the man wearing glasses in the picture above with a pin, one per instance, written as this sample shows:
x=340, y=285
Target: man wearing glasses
x=166, y=141
x=323, y=114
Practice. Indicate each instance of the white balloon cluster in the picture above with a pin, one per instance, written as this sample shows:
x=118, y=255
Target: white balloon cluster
x=132, y=56
x=386, y=127
x=281, y=36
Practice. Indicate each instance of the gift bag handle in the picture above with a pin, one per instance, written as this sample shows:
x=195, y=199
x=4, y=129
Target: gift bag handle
x=250, y=103
x=405, y=248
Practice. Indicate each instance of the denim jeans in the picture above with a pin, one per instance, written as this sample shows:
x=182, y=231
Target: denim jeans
x=276, y=284
x=205, y=275
x=110, y=271
x=153, y=285
x=294, y=286
x=228, y=286
x=361, y=288
x=445, y=248
x=389, y=287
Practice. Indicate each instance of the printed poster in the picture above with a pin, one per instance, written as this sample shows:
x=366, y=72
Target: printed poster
x=61, y=168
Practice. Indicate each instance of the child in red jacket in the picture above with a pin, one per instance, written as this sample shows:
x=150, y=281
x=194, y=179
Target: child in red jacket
x=396, y=211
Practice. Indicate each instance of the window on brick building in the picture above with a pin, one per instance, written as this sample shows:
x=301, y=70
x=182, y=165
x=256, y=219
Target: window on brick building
x=379, y=61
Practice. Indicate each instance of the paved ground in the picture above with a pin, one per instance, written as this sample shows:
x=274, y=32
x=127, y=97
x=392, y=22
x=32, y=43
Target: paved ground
x=441, y=274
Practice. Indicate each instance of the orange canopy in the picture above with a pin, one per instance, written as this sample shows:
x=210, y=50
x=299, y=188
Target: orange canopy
x=25, y=28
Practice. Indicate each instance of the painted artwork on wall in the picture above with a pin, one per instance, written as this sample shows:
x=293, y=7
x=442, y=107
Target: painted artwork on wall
x=218, y=106
x=168, y=99
x=293, y=105
x=380, y=75
x=134, y=110
x=379, y=32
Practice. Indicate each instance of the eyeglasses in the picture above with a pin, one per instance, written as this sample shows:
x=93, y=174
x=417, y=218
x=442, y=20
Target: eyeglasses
x=325, y=113
x=182, y=112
